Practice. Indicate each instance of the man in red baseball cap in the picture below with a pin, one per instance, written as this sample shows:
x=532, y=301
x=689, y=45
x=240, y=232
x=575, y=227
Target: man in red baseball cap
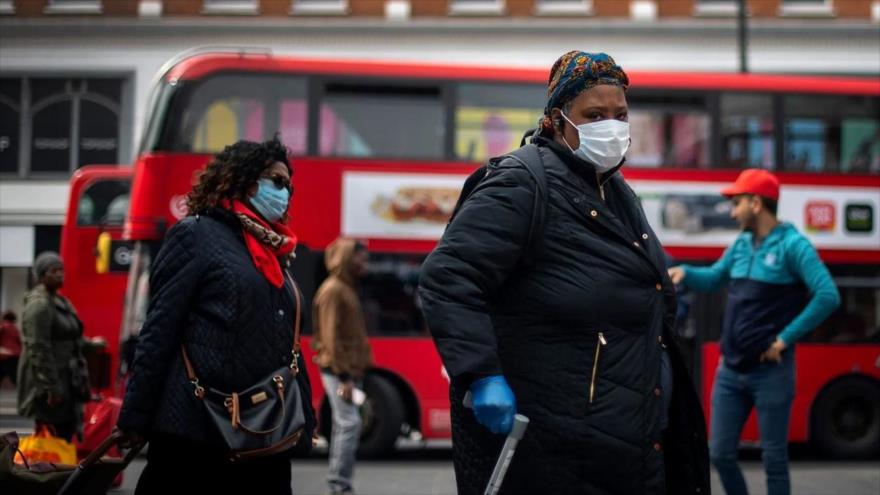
x=766, y=270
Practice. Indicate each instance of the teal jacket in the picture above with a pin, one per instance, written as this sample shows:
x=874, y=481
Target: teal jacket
x=779, y=288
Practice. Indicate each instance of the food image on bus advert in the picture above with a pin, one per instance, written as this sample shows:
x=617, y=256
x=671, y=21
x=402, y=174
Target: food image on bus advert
x=409, y=204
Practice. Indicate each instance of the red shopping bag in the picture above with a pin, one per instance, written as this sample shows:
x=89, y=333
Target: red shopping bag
x=99, y=418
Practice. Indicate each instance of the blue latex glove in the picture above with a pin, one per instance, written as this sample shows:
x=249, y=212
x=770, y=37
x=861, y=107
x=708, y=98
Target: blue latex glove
x=494, y=404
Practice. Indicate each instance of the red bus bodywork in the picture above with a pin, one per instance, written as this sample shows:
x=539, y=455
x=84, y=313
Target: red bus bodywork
x=97, y=297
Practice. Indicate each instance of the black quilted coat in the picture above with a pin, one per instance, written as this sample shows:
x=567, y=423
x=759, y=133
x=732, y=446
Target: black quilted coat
x=206, y=292
x=599, y=276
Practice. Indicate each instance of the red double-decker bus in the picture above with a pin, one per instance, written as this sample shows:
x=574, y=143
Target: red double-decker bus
x=380, y=151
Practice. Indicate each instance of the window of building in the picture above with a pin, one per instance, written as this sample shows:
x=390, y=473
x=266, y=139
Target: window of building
x=563, y=7
x=73, y=7
x=230, y=7
x=716, y=8
x=490, y=119
x=831, y=134
x=806, y=8
x=73, y=122
x=319, y=7
x=381, y=120
x=104, y=202
x=7, y=7
x=747, y=128
x=10, y=124
x=476, y=7
x=55, y=125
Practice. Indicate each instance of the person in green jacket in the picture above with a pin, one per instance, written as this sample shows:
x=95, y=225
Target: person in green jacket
x=52, y=374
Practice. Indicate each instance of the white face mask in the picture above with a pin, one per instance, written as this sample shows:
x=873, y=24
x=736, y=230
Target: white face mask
x=602, y=143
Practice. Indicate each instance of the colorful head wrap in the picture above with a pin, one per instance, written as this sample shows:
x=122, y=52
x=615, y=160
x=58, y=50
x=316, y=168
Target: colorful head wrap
x=576, y=71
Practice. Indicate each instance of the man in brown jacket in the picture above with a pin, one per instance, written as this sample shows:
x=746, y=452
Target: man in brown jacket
x=343, y=353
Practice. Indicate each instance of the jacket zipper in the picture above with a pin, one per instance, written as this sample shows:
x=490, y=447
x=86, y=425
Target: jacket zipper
x=599, y=343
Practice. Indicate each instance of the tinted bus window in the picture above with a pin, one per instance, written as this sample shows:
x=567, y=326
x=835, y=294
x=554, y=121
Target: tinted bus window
x=832, y=134
x=747, y=131
x=210, y=114
x=858, y=317
x=389, y=295
x=490, y=119
x=388, y=292
x=381, y=121
x=103, y=203
x=668, y=131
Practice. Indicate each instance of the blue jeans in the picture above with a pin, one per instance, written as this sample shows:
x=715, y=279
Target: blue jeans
x=769, y=388
x=345, y=436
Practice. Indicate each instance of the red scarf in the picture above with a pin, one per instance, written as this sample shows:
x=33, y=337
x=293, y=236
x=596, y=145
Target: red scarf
x=267, y=243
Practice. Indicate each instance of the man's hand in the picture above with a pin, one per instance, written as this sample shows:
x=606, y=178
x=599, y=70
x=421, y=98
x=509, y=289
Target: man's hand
x=494, y=403
x=774, y=353
x=676, y=273
x=345, y=389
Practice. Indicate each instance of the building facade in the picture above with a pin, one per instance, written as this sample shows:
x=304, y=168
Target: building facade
x=76, y=75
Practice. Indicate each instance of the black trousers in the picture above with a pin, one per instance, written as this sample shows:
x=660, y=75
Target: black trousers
x=178, y=465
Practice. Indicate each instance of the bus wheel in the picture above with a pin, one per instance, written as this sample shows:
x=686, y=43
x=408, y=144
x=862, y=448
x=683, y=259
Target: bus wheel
x=382, y=414
x=846, y=418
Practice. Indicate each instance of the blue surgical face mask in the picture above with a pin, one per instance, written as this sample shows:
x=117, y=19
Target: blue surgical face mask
x=270, y=200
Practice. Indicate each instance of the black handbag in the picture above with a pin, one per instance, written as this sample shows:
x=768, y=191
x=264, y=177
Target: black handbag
x=266, y=418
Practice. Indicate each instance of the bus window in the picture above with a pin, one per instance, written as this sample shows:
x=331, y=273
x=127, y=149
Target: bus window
x=857, y=320
x=490, y=119
x=103, y=203
x=747, y=131
x=389, y=295
x=384, y=121
x=669, y=131
x=226, y=108
x=831, y=133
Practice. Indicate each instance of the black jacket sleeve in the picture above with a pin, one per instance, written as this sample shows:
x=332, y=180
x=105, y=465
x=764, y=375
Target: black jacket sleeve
x=479, y=250
x=174, y=279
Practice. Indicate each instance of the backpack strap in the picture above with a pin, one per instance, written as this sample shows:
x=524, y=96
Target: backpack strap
x=530, y=157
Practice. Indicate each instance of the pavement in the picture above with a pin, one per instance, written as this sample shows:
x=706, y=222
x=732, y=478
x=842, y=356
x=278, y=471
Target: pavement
x=427, y=470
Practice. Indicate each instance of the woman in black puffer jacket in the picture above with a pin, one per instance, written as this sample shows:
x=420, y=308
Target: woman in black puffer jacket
x=577, y=334
x=218, y=287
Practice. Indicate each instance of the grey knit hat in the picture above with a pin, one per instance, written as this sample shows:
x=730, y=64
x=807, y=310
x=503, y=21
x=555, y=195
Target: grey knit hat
x=45, y=261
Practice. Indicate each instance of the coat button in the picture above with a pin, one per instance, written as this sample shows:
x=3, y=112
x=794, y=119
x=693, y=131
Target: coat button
x=657, y=392
x=280, y=312
x=636, y=243
x=658, y=287
x=594, y=213
x=658, y=447
x=645, y=236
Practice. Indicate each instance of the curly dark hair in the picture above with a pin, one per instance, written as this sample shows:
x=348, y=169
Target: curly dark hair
x=232, y=171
